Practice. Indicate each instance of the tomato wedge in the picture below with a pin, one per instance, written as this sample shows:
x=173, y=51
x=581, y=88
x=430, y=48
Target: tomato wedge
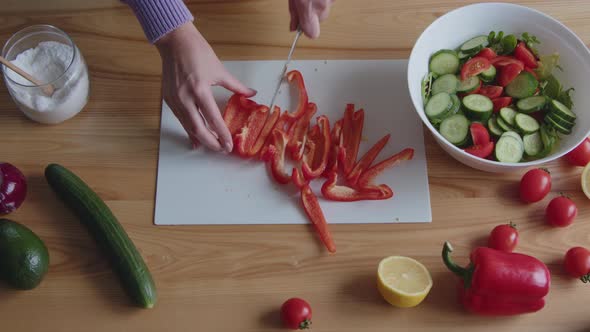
x=481, y=151
x=487, y=53
x=501, y=102
x=474, y=66
x=508, y=73
x=491, y=91
x=522, y=53
x=479, y=134
x=503, y=61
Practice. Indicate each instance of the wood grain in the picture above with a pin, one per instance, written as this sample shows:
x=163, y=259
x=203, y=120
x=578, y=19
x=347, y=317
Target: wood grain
x=234, y=278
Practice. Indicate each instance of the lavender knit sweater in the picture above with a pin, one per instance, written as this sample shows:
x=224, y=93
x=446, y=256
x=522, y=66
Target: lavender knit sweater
x=158, y=17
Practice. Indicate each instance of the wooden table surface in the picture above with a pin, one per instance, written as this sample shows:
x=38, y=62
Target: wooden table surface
x=234, y=278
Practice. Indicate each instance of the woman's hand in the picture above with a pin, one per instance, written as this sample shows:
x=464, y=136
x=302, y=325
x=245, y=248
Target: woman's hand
x=189, y=69
x=308, y=14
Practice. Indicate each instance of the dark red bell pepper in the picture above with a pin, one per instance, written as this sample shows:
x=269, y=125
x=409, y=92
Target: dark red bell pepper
x=321, y=140
x=334, y=192
x=366, y=179
x=352, y=131
x=365, y=162
x=298, y=131
x=275, y=155
x=250, y=132
x=498, y=283
x=316, y=216
x=295, y=76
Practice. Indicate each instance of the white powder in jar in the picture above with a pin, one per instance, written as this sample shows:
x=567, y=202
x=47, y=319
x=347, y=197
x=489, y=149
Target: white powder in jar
x=50, y=62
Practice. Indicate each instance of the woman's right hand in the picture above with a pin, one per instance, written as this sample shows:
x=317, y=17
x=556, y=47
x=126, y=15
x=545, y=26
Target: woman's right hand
x=307, y=14
x=189, y=69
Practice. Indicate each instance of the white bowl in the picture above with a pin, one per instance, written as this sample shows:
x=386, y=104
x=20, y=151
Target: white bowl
x=459, y=25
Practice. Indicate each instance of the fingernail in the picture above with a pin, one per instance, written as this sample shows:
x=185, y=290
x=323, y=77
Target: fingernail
x=228, y=147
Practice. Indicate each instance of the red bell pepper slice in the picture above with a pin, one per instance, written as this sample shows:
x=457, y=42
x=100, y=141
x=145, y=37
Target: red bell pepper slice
x=332, y=164
x=366, y=179
x=265, y=133
x=250, y=132
x=298, y=131
x=500, y=283
x=315, y=166
x=334, y=192
x=236, y=115
x=316, y=216
x=295, y=76
x=365, y=162
x=352, y=131
x=275, y=155
x=284, y=124
x=298, y=178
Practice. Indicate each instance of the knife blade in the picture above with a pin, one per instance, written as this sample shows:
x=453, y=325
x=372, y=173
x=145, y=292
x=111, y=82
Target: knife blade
x=284, y=71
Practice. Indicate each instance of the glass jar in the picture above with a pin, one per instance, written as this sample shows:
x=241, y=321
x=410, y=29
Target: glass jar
x=51, y=57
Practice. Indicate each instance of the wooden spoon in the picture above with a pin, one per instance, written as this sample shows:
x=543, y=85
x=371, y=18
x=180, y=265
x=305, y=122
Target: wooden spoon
x=46, y=88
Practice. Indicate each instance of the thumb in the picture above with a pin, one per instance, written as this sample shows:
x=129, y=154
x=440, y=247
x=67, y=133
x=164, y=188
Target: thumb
x=234, y=85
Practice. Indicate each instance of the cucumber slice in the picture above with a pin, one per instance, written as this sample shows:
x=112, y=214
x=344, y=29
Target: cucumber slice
x=489, y=74
x=562, y=110
x=557, y=126
x=562, y=122
x=531, y=104
x=502, y=124
x=463, y=56
x=494, y=128
x=514, y=134
x=455, y=129
x=509, y=149
x=523, y=86
x=438, y=106
x=533, y=145
x=479, y=107
x=447, y=83
x=469, y=85
x=474, y=44
x=444, y=62
x=508, y=114
x=526, y=123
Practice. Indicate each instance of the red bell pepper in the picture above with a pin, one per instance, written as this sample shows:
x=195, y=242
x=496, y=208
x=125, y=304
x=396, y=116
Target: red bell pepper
x=366, y=179
x=275, y=155
x=320, y=138
x=334, y=192
x=332, y=165
x=303, y=100
x=365, y=162
x=500, y=283
x=265, y=133
x=235, y=114
x=250, y=132
x=316, y=216
x=298, y=180
x=284, y=124
x=352, y=130
x=298, y=131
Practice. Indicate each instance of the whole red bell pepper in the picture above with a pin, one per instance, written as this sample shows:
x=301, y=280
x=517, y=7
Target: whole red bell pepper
x=498, y=283
x=298, y=131
x=340, y=193
x=365, y=162
x=302, y=101
x=352, y=131
x=321, y=140
x=316, y=216
x=367, y=177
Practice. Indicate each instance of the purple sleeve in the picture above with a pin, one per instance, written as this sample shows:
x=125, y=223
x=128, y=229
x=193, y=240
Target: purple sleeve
x=158, y=17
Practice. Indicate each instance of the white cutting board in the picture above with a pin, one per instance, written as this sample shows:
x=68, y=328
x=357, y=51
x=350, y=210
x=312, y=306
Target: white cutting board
x=201, y=187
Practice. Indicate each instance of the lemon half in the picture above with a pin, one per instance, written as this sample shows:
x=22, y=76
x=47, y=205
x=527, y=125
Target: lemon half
x=402, y=281
x=586, y=180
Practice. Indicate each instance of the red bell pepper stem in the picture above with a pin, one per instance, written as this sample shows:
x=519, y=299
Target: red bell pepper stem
x=316, y=216
x=250, y=132
x=298, y=131
x=265, y=133
x=277, y=157
x=334, y=192
x=365, y=162
x=298, y=179
x=320, y=137
x=295, y=76
x=367, y=177
x=352, y=130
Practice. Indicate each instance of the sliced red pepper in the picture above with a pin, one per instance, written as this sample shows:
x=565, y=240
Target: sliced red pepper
x=474, y=66
x=235, y=115
x=316, y=216
x=315, y=166
x=508, y=73
x=501, y=102
x=275, y=155
x=491, y=91
x=284, y=124
x=481, y=150
x=298, y=131
x=332, y=164
x=334, y=192
x=366, y=179
x=522, y=53
x=298, y=178
x=365, y=162
x=487, y=53
x=295, y=76
x=250, y=132
x=479, y=134
x=265, y=133
x=352, y=131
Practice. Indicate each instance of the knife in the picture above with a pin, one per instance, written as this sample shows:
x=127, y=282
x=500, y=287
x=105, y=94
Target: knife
x=284, y=71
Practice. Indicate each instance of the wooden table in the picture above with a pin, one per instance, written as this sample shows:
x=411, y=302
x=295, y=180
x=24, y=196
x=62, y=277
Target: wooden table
x=234, y=278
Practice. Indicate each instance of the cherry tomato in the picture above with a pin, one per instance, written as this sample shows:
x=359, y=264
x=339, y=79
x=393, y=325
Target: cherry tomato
x=487, y=53
x=491, y=91
x=501, y=102
x=503, y=61
x=474, y=66
x=580, y=156
x=561, y=211
x=577, y=262
x=535, y=185
x=481, y=151
x=522, y=53
x=508, y=73
x=479, y=134
x=503, y=237
x=296, y=314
